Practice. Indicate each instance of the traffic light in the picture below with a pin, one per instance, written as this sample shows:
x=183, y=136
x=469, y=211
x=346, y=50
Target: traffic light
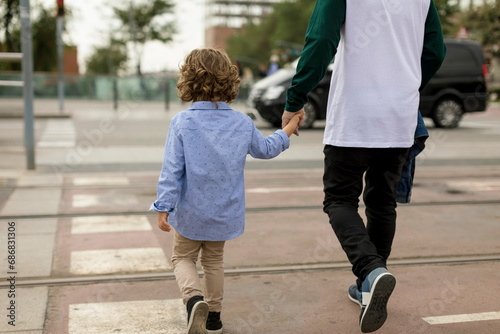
x=60, y=7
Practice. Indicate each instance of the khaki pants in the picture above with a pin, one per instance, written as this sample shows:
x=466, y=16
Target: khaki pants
x=184, y=258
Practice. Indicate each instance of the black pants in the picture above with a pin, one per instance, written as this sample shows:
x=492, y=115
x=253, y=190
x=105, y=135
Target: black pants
x=366, y=247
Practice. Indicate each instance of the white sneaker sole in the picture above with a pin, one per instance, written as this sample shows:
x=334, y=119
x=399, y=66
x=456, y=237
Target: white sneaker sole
x=375, y=312
x=354, y=300
x=198, y=321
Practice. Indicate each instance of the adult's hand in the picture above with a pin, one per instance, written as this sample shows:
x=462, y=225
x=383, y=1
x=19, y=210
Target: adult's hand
x=287, y=116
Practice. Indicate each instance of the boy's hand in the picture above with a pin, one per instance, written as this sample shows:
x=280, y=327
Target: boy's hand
x=288, y=116
x=163, y=223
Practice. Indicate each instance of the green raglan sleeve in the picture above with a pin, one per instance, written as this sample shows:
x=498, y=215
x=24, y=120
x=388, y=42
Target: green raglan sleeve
x=322, y=40
x=434, y=49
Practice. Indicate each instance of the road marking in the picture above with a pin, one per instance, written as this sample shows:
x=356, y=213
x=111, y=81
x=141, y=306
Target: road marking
x=282, y=190
x=486, y=185
x=106, y=224
x=58, y=133
x=452, y=319
x=88, y=200
x=100, y=181
x=123, y=260
x=130, y=317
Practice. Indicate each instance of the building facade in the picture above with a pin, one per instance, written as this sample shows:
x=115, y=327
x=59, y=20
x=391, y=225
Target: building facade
x=225, y=17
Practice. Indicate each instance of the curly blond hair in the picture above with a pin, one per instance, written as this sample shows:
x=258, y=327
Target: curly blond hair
x=208, y=75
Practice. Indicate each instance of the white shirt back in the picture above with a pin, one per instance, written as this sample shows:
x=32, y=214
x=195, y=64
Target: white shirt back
x=374, y=95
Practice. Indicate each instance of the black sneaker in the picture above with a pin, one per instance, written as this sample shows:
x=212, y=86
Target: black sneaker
x=214, y=325
x=197, y=310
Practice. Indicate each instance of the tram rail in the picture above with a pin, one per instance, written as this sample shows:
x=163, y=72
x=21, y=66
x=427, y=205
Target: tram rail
x=266, y=270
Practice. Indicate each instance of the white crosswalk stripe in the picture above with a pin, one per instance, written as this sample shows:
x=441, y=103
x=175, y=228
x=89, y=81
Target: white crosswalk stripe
x=457, y=318
x=130, y=317
x=282, y=190
x=101, y=181
x=107, y=224
x=58, y=133
x=482, y=185
x=122, y=260
x=90, y=200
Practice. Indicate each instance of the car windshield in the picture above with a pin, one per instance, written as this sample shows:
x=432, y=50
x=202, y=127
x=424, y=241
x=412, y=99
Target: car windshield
x=281, y=76
x=277, y=78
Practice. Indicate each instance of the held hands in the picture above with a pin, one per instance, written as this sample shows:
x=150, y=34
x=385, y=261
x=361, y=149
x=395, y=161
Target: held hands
x=293, y=120
x=163, y=223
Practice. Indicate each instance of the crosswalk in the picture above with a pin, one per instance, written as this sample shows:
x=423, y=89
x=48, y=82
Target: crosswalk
x=94, y=200
x=125, y=317
x=104, y=224
x=58, y=133
x=475, y=185
x=123, y=260
x=130, y=317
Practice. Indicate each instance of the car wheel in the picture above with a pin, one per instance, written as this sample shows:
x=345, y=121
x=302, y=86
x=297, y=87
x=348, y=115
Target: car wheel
x=447, y=113
x=310, y=116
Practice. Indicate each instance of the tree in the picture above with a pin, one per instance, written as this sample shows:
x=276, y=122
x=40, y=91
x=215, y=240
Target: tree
x=109, y=59
x=9, y=10
x=44, y=30
x=448, y=14
x=284, y=27
x=484, y=24
x=146, y=22
x=43, y=27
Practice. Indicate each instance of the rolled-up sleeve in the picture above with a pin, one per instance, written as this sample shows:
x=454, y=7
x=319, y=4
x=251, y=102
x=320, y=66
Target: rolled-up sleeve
x=172, y=173
x=268, y=147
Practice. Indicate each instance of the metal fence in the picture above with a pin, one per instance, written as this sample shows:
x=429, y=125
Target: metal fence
x=93, y=87
x=100, y=87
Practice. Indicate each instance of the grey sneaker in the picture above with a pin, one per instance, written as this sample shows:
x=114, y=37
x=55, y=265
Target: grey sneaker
x=197, y=310
x=376, y=290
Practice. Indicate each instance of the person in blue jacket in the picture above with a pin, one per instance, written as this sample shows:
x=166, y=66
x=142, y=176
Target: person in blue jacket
x=201, y=191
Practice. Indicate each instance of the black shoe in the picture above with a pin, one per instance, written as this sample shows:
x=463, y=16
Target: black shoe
x=197, y=311
x=214, y=325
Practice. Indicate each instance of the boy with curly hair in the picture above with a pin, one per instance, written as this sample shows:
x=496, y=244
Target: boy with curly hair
x=201, y=191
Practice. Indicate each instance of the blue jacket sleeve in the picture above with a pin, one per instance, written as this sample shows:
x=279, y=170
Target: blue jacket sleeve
x=172, y=173
x=267, y=147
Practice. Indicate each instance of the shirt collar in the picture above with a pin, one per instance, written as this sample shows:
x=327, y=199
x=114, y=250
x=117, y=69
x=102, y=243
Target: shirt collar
x=208, y=105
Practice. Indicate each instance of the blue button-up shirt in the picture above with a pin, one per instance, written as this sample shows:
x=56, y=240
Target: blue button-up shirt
x=201, y=183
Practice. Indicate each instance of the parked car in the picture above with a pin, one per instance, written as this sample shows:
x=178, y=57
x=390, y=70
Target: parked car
x=460, y=86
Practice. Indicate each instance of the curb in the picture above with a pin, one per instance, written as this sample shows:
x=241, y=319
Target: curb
x=42, y=116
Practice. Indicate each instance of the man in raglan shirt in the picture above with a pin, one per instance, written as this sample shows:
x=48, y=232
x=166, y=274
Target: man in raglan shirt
x=385, y=52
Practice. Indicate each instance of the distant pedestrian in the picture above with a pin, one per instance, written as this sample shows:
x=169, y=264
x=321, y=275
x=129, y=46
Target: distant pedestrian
x=386, y=52
x=262, y=72
x=201, y=186
x=274, y=66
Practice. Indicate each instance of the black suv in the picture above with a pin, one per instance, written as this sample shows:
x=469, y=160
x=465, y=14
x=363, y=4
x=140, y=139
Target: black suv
x=458, y=87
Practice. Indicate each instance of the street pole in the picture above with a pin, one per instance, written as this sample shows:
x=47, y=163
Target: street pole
x=60, y=62
x=112, y=73
x=167, y=94
x=26, y=47
x=133, y=31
